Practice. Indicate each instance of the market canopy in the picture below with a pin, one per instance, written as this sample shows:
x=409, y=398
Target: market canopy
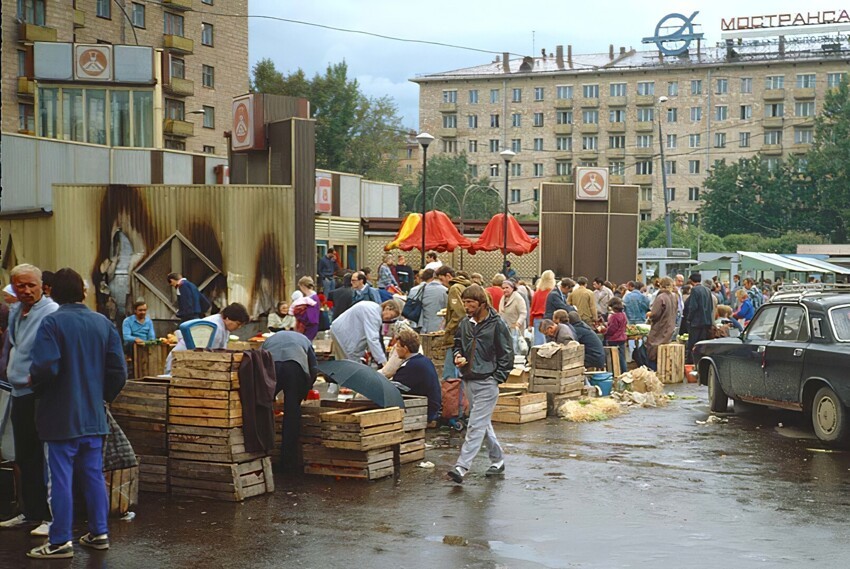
x=441, y=235
x=724, y=262
x=775, y=262
x=493, y=237
x=823, y=266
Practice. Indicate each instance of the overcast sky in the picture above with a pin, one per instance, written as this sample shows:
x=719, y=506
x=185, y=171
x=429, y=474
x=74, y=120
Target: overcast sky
x=384, y=67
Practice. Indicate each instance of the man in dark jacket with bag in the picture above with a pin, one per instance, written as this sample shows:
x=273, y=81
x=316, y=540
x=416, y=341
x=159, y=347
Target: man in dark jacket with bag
x=698, y=315
x=483, y=352
x=77, y=364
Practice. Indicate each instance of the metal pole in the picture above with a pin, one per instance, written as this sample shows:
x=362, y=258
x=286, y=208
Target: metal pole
x=664, y=185
x=505, y=226
x=424, y=200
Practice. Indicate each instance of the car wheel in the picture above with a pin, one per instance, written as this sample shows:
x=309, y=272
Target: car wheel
x=829, y=416
x=718, y=401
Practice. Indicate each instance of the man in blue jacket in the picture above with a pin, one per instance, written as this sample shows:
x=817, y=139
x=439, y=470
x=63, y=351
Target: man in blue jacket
x=189, y=304
x=77, y=364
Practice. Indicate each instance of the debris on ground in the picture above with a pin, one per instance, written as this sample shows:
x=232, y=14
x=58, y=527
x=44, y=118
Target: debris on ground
x=589, y=410
x=713, y=420
x=641, y=387
x=455, y=540
x=426, y=464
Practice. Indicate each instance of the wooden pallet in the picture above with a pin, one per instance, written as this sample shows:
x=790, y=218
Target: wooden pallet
x=208, y=444
x=231, y=482
x=362, y=430
x=565, y=358
x=153, y=473
x=518, y=408
x=122, y=489
x=368, y=465
x=671, y=363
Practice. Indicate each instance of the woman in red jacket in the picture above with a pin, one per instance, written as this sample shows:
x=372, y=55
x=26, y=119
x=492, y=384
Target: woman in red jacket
x=538, y=304
x=615, y=334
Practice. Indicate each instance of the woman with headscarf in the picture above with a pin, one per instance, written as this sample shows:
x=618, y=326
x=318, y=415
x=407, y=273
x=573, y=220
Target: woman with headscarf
x=538, y=304
x=662, y=316
x=513, y=311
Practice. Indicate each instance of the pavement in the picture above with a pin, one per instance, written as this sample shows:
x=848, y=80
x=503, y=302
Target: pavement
x=651, y=488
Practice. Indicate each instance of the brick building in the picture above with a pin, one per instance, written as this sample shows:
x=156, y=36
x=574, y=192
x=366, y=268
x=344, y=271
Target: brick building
x=561, y=110
x=199, y=51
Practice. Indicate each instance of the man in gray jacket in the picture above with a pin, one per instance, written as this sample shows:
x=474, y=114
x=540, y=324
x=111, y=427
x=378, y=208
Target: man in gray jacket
x=483, y=352
x=434, y=296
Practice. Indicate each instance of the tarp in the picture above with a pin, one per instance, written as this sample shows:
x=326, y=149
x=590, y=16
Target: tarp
x=441, y=235
x=493, y=237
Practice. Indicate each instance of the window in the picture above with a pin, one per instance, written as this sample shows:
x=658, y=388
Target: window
x=589, y=143
x=516, y=145
x=646, y=88
x=774, y=110
x=721, y=112
x=744, y=140
x=538, y=119
x=644, y=216
x=175, y=110
x=494, y=170
x=494, y=145
x=450, y=146
x=772, y=164
x=472, y=121
x=617, y=168
x=211, y=150
x=646, y=194
x=516, y=120
x=693, y=166
x=720, y=140
x=172, y=24
x=617, y=115
x=693, y=194
x=515, y=196
x=672, y=115
x=207, y=34
x=73, y=118
x=617, y=142
x=761, y=326
x=669, y=167
x=804, y=108
x=696, y=87
x=643, y=168
x=806, y=81
x=646, y=114
x=538, y=144
x=494, y=95
x=472, y=146
x=746, y=84
x=473, y=170
x=563, y=168
x=564, y=117
x=177, y=67
x=538, y=93
x=409, y=152
x=143, y=119
x=32, y=12
x=673, y=89
x=696, y=114
x=774, y=82
x=516, y=169
x=473, y=96
x=516, y=95
x=694, y=140
x=671, y=194
x=22, y=63
x=172, y=144
x=26, y=118
x=494, y=121
x=590, y=91
x=835, y=79
x=672, y=141
x=103, y=9
x=450, y=96
x=618, y=89
x=137, y=15
x=119, y=112
x=590, y=117
x=722, y=87
x=564, y=143
x=644, y=141
x=803, y=136
x=693, y=219
x=208, y=76
x=536, y=194
x=746, y=112
x=564, y=92
x=450, y=121
x=538, y=170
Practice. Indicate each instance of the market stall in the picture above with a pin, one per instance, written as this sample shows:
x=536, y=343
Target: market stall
x=441, y=235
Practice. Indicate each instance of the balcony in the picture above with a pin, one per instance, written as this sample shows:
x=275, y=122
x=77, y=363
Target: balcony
x=617, y=127
x=589, y=128
x=645, y=126
x=771, y=149
x=645, y=205
x=33, y=33
x=588, y=154
x=616, y=179
x=177, y=4
x=448, y=107
x=643, y=180
x=563, y=129
x=446, y=133
x=645, y=100
x=178, y=43
x=617, y=101
x=801, y=121
x=180, y=87
x=803, y=94
x=644, y=152
x=773, y=122
x=774, y=94
x=615, y=153
x=176, y=127
x=563, y=103
x=26, y=87
x=79, y=19
x=589, y=102
x=800, y=148
x=563, y=155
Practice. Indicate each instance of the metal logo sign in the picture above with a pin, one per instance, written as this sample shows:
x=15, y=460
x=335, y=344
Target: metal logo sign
x=675, y=37
x=591, y=183
x=243, y=124
x=324, y=192
x=93, y=62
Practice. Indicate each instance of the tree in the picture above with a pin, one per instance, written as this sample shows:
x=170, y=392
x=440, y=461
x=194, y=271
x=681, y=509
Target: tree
x=452, y=170
x=653, y=234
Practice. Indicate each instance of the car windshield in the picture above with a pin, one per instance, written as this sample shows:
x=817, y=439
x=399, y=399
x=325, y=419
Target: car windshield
x=841, y=323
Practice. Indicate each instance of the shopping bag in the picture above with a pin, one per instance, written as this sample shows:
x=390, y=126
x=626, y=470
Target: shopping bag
x=117, y=451
x=7, y=440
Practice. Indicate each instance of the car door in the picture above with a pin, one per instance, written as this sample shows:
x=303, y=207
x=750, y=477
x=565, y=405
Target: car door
x=746, y=369
x=783, y=358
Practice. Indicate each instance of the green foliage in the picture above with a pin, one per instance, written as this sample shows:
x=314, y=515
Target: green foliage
x=451, y=173
x=654, y=234
x=354, y=133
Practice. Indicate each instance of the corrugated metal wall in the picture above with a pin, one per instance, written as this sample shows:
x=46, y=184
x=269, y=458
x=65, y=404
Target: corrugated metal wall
x=27, y=241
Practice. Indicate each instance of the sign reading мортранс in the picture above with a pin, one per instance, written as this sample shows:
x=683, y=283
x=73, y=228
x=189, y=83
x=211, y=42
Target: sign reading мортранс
x=790, y=20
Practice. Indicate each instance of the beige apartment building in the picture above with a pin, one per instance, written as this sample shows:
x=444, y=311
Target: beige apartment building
x=175, y=93
x=559, y=111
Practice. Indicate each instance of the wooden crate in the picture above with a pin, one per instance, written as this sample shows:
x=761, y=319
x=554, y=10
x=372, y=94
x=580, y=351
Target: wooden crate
x=432, y=346
x=146, y=437
x=415, y=412
x=204, y=407
x=149, y=361
x=208, y=444
x=555, y=400
x=231, y=482
x=671, y=363
x=516, y=407
x=122, y=489
x=351, y=429
x=519, y=375
x=412, y=448
x=567, y=357
x=612, y=361
x=206, y=370
x=521, y=387
x=556, y=381
x=369, y=465
x=142, y=399
x=153, y=473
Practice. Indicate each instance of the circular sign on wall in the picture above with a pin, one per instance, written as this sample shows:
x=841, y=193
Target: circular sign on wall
x=93, y=62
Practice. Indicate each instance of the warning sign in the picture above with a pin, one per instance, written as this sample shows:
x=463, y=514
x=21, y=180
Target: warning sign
x=591, y=183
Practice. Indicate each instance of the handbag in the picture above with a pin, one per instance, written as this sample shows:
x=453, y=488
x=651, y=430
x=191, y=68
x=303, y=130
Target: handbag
x=413, y=306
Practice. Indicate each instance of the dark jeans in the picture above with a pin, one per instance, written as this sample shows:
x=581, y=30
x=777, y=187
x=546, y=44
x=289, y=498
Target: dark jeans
x=695, y=334
x=295, y=384
x=29, y=455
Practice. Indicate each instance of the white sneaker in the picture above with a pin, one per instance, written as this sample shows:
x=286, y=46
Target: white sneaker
x=11, y=523
x=42, y=530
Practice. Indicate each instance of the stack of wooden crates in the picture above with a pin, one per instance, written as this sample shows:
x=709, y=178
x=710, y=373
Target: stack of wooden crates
x=433, y=349
x=561, y=376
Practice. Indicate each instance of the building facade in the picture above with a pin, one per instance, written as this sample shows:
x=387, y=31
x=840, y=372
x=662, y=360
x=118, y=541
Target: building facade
x=199, y=62
x=618, y=109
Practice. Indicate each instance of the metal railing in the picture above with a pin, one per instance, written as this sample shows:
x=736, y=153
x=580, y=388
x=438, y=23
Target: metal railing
x=802, y=290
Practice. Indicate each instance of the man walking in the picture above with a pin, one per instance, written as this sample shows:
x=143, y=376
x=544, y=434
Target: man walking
x=189, y=304
x=483, y=351
x=698, y=314
x=77, y=364
x=25, y=317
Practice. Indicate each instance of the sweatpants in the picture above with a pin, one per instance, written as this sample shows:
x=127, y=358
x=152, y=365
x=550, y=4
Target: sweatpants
x=482, y=395
x=80, y=458
x=295, y=384
x=29, y=456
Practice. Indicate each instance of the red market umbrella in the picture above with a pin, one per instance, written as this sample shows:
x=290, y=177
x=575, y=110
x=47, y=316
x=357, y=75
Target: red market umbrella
x=441, y=235
x=493, y=237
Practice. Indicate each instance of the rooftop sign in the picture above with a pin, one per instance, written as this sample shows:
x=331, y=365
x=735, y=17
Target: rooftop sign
x=674, y=38
x=790, y=20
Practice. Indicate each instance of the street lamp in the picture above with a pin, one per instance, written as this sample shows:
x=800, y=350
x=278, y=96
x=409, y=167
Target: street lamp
x=663, y=100
x=507, y=156
x=424, y=139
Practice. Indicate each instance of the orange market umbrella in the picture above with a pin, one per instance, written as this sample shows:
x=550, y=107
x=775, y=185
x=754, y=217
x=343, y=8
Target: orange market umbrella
x=493, y=237
x=441, y=235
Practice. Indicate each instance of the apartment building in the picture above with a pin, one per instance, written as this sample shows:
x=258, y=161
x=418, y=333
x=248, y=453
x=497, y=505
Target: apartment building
x=617, y=109
x=167, y=71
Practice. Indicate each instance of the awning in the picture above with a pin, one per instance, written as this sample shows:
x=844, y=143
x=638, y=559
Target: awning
x=440, y=234
x=724, y=262
x=493, y=237
x=773, y=262
x=822, y=266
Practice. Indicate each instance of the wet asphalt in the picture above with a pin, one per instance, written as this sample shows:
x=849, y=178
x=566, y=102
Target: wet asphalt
x=651, y=488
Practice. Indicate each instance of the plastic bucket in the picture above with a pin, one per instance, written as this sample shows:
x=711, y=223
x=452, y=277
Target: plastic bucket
x=689, y=368
x=604, y=381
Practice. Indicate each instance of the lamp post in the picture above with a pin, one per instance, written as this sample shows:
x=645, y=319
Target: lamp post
x=663, y=100
x=507, y=156
x=424, y=139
